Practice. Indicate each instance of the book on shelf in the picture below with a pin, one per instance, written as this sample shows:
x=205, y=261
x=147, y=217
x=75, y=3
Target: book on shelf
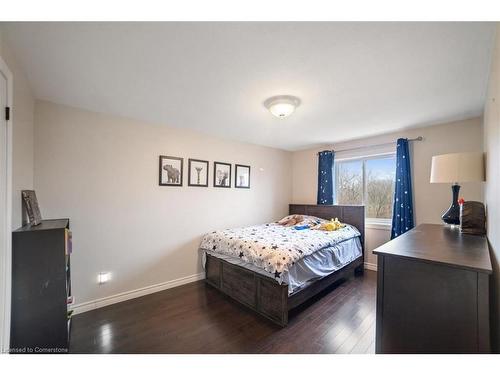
x=69, y=241
x=31, y=211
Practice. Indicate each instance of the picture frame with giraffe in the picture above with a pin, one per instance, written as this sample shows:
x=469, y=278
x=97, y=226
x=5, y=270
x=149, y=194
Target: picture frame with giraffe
x=197, y=172
x=171, y=171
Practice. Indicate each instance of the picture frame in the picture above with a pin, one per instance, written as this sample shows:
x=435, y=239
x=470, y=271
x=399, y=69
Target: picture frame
x=242, y=176
x=31, y=211
x=222, y=174
x=198, y=172
x=170, y=170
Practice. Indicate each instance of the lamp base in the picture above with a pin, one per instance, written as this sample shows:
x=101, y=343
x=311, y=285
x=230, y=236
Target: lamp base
x=452, y=215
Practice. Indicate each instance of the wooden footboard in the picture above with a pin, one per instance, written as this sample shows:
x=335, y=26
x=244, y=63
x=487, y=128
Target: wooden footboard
x=261, y=294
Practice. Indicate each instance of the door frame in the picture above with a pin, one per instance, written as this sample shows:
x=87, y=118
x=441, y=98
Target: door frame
x=6, y=247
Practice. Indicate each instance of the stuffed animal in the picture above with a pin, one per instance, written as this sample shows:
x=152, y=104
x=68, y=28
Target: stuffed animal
x=333, y=224
x=291, y=220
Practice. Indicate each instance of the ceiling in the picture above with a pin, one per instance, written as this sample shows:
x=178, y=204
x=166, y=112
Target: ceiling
x=353, y=79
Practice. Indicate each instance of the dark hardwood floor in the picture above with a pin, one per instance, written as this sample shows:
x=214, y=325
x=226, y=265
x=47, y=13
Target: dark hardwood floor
x=196, y=318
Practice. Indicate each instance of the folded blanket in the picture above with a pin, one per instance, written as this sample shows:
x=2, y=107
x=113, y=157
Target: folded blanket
x=272, y=247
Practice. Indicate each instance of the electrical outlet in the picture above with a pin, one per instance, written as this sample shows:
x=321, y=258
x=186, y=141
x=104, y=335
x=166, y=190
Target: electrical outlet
x=103, y=277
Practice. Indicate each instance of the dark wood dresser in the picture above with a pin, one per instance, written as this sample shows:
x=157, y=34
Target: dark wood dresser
x=41, y=288
x=432, y=292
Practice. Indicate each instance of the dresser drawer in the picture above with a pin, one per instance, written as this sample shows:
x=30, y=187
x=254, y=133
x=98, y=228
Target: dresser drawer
x=428, y=308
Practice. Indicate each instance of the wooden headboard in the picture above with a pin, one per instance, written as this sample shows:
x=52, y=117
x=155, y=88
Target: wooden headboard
x=354, y=215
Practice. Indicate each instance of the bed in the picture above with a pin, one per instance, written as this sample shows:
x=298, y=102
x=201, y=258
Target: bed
x=272, y=290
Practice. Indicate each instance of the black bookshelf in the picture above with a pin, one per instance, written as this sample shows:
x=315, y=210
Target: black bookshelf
x=41, y=288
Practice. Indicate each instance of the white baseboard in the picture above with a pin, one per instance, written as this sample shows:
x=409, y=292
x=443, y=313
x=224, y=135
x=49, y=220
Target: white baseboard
x=371, y=266
x=124, y=296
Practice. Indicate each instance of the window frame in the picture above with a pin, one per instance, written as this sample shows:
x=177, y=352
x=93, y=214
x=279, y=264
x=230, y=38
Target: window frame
x=375, y=223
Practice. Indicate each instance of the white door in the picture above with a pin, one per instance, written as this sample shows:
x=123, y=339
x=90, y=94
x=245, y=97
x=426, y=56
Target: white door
x=3, y=208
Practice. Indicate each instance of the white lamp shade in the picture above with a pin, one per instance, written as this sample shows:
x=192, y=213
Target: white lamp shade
x=459, y=167
x=282, y=106
x=282, y=109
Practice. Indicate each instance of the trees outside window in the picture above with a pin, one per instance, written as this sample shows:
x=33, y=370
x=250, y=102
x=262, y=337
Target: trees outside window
x=349, y=181
x=368, y=181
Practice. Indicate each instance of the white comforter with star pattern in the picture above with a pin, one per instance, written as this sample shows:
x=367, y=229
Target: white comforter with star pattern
x=273, y=247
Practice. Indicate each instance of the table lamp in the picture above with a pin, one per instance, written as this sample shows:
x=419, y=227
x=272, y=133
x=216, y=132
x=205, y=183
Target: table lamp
x=455, y=168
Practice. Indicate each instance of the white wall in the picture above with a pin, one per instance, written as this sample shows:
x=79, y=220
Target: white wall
x=101, y=171
x=430, y=200
x=492, y=186
x=22, y=134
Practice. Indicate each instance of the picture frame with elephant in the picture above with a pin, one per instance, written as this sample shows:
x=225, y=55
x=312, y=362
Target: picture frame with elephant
x=171, y=171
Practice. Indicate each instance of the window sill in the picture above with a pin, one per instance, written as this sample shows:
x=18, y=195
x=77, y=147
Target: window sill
x=378, y=224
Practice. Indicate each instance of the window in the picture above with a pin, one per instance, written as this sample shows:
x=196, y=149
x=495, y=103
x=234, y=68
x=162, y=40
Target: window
x=368, y=181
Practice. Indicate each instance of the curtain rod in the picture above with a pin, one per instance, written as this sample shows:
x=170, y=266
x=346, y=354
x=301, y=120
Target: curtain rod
x=417, y=139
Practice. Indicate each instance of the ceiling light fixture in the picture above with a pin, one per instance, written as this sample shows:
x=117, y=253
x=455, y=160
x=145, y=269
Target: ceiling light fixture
x=282, y=106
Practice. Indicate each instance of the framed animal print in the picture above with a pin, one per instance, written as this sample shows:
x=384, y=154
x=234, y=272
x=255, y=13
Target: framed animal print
x=242, y=176
x=171, y=170
x=222, y=174
x=197, y=172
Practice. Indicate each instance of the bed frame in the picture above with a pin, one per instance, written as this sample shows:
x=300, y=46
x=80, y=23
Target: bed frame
x=265, y=295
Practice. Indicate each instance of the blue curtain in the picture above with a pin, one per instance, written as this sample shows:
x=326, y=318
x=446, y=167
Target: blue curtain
x=402, y=214
x=325, y=177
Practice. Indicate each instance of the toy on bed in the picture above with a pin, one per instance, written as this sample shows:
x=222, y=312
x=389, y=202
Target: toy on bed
x=330, y=226
x=300, y=222
x=291, y=220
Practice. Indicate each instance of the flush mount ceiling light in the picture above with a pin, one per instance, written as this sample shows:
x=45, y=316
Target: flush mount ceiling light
x=282, y=106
